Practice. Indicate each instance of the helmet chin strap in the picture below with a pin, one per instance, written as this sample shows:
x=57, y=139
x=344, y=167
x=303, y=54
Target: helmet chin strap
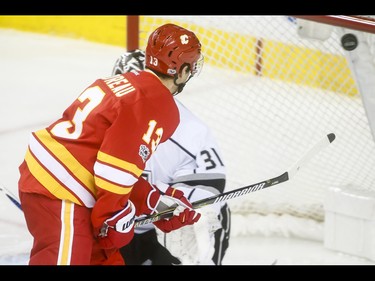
x=180, y=86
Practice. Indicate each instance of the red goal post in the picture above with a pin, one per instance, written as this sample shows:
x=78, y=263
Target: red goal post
x=361, y=23
x=132, y=34
x=268, y=93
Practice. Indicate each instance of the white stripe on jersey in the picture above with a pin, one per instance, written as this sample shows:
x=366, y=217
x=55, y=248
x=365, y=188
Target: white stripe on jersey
x=60, y=172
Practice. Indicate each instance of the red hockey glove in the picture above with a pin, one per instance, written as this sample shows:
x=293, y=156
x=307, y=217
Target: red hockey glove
x=151, y=199
x=171, y=197
x=163, y=197
x=181, y=216
x=118, y=230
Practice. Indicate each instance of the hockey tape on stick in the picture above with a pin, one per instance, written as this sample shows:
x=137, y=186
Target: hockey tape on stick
x=289, y=174
x=10, y=196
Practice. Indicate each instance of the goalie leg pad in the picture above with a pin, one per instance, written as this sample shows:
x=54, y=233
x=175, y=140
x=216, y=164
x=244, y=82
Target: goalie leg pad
x=193, y=244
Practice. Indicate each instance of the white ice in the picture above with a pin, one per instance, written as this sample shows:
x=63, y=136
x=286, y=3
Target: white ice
x=40, y=76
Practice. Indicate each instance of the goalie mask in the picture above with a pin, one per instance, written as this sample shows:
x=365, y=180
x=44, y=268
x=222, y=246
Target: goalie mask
x=133, y=60
x=171, y=47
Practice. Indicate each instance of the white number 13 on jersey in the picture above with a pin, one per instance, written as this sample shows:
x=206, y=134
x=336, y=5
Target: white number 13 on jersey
x=72, y=129
x=95, y=95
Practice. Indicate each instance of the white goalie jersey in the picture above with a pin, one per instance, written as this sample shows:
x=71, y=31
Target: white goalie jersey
x=190, y=161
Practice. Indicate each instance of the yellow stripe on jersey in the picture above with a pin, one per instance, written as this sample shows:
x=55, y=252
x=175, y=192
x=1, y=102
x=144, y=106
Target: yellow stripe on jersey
x=114, y=188
x=47, y=180
x=104, y=157
x=67, y=159
x=67, y=229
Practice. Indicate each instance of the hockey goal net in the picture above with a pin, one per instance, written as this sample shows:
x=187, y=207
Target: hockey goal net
x=271, y=87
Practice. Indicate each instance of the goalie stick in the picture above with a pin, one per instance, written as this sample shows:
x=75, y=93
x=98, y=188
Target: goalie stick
x=289, y=174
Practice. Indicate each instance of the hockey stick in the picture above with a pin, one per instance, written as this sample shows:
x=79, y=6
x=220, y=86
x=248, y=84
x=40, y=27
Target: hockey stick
x=10, y=196
x=289, y=174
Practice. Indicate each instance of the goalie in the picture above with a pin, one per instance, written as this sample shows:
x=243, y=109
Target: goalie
x=190, y=161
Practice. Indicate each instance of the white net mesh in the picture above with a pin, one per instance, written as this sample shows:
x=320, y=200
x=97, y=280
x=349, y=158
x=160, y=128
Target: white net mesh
x=268, y=94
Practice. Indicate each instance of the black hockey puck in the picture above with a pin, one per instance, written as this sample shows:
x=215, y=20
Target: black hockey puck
x=349, y=42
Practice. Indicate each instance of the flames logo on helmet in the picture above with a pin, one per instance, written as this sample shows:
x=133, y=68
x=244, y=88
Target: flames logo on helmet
x=171, y=47
x=184, y=39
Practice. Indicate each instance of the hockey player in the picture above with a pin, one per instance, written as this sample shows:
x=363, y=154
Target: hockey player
x=80, y=183
x=191, y=161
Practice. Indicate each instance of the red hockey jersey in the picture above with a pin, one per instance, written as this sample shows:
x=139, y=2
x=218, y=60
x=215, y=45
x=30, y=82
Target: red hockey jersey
x=95, y=153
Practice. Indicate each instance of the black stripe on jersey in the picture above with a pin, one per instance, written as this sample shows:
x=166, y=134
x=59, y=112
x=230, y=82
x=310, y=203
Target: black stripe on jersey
x=176, y=143
x=217, y=156
x=191, y=194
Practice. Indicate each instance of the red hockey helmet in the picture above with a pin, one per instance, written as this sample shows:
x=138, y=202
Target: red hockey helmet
x=171, y=46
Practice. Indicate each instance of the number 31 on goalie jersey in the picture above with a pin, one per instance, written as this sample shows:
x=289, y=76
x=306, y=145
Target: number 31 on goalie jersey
x=210, y=158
